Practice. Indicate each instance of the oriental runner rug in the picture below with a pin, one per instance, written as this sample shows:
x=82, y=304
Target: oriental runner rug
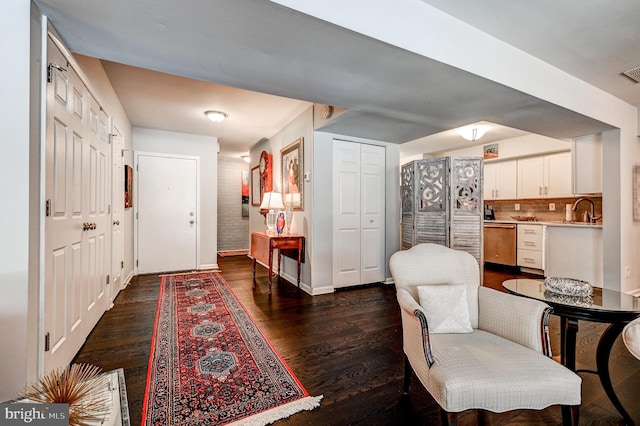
x=210, y=364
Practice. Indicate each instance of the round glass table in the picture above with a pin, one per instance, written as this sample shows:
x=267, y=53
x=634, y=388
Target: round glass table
x=604, y=306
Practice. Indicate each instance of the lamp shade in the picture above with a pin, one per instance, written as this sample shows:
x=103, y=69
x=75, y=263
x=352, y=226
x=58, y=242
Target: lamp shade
x=271, y=201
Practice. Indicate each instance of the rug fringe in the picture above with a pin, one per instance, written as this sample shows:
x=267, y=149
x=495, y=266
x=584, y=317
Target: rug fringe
x=199, y=271
x=281, y=412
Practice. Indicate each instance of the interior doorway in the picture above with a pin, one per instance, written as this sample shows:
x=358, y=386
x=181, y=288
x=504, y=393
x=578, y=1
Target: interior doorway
x=166, y=204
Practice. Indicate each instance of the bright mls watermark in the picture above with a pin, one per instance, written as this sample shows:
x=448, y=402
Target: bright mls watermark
x=34, y=414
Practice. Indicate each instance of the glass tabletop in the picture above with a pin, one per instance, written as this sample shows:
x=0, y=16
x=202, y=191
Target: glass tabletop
x=601, y=299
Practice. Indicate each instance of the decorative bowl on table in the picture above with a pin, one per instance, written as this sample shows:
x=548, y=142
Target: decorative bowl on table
x=568, y=286
x=584, y=301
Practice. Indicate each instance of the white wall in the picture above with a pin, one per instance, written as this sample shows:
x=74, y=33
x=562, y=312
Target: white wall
x=301, y=126
x=521, y=146
x=16, y=193
x=205, y=147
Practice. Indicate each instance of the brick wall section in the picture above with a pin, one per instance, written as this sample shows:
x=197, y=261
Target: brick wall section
x=233, y=229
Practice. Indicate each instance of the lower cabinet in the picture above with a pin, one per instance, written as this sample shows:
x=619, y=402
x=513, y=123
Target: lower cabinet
x=530, y=246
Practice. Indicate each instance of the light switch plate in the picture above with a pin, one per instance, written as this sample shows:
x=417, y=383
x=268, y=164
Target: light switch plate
x=517, y=207
x=552, y=207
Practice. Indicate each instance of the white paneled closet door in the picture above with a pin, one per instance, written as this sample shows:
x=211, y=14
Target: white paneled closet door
x=77, y=220
x=358, y=213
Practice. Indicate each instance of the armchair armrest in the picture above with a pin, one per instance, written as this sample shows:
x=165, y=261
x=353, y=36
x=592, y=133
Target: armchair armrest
x=521, y=320
x=415, y=331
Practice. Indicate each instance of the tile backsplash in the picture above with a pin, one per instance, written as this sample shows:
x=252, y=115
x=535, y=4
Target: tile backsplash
x=539, y=208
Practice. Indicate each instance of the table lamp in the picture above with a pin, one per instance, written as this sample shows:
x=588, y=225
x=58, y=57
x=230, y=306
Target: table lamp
x=271, y=201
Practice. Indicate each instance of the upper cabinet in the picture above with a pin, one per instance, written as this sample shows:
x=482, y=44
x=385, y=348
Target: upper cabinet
x=545, y=176
x=587, y=164
x=500, y=180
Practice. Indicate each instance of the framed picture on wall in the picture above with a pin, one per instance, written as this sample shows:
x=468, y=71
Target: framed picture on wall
x=292, y=162
x=636, y=193
x=128, y=187
x=245, y=193
x=256, y=188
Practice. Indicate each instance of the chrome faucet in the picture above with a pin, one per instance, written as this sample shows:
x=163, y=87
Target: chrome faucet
x=592, y=215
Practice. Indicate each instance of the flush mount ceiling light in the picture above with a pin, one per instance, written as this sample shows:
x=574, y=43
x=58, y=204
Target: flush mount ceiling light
x=246, y=158
x=473, y=133
x=215, y=116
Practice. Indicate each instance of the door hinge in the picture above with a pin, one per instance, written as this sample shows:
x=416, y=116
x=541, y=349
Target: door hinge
x=136, y=262
x=111, y=137
x=136, y=215
x=108, y=279
x=122, y=153
x=50, y=68
x=122, y=264
x=109, y=209
x=47, y=207
x=47, y=342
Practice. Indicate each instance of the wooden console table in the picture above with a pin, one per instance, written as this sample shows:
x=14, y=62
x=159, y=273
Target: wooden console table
x=263, y=245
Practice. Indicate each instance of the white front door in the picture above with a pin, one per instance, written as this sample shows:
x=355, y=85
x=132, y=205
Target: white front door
x=117, y=207
x=358, y=214
x=77, y=231
x=167, y=213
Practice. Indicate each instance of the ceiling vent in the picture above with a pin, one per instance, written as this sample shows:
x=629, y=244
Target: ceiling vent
x=633, y=74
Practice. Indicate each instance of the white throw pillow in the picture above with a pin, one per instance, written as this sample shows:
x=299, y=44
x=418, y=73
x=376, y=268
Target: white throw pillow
x=446, y=308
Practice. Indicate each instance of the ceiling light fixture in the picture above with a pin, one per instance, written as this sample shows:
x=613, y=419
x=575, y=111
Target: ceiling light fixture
x=473, y=133
x=215, y=116
x=246, y=158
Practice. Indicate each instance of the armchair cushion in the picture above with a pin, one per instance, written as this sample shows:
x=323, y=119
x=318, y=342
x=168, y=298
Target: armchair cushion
x=445, y=307
x=485, y=371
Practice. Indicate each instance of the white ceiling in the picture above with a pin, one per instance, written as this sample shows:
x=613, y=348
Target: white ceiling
x=390, y=94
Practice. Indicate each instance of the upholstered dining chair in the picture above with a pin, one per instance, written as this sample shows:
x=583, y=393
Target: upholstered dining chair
x=473, y=347
x=631, y=337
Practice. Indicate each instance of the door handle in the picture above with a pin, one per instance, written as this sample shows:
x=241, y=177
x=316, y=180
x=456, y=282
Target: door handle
x=116, y=222
x=192, y=221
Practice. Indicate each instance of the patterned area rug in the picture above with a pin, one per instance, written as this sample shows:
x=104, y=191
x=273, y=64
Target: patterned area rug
x=210, y=364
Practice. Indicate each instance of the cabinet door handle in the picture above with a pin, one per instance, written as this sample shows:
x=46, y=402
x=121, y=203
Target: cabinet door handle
x=529, y=231
x=528, y=259
x=529, y=243
x=497, y=192
x=546, y=190
x=539, y=190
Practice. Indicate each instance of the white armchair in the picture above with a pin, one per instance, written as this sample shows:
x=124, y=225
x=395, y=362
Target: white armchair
x=631, y=337
x=504, y=363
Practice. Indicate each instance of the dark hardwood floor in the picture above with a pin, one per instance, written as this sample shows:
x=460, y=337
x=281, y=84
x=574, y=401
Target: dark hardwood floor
x=346, y=346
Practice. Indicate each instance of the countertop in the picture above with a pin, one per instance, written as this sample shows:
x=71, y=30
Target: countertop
x=558, y=223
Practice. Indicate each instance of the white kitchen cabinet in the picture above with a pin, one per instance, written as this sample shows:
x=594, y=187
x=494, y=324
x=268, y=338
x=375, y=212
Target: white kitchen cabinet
x=530, y=246
x=575, y=252
x=545, y=176
x=500, y=179
x=586, y=153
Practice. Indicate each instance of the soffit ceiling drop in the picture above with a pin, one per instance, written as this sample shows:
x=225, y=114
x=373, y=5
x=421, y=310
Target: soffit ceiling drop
x=390, y=94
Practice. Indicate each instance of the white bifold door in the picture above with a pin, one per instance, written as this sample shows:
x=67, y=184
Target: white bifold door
x=77, y=218
x=358, y=213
